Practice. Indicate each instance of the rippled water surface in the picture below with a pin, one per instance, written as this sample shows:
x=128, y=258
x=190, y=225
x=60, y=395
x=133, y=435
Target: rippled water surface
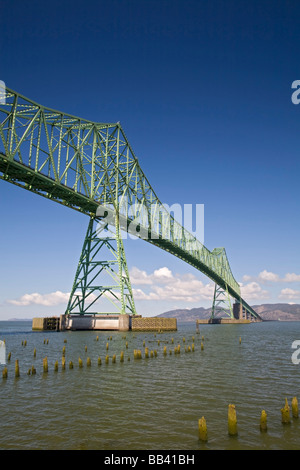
x=152, y=403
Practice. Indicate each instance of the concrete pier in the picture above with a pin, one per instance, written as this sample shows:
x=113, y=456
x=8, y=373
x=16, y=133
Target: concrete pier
x=154, y=324
x=104, y=322
x=95, y=322
x=48, y=323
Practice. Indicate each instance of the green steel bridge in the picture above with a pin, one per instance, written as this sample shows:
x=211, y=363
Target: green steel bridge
x=90, y=167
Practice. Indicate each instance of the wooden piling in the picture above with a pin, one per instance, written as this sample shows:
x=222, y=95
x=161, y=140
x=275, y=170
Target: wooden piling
x=45, y=364
x=202, y=429
x=295, y=407
x=263, y=421
x=232, y=420
x=285, y=413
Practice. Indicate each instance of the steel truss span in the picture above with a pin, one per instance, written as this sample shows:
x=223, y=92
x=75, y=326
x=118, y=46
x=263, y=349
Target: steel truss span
x=91, y=167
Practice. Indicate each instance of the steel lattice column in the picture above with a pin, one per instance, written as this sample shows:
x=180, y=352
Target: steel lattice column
x=221, y=303
x=102, y=275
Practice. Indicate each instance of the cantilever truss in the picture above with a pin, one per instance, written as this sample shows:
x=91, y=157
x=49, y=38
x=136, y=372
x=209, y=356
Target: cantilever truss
x=87, y=166
x=102, y=273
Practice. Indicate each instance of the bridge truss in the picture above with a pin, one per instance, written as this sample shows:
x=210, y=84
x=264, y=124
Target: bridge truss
x=91, y=168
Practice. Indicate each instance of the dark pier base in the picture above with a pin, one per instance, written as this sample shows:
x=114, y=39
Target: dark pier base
x=216, y=321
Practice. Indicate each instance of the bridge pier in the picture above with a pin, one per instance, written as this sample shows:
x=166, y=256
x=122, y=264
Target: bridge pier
x=240, y=313
x=105, y=322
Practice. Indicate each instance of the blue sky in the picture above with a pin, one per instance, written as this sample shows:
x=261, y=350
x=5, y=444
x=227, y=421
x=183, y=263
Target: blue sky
x=203, y=92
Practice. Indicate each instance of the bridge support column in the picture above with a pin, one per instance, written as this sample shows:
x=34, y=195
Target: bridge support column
x=238, y=311
x=102, y=277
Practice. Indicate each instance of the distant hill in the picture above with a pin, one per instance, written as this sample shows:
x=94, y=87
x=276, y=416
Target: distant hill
x=283, y=312
x=20, y=319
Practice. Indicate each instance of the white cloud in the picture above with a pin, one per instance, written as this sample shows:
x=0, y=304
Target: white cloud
x=291, y=277
x=166, y=286
x=289, y=294
x=253, y=291
x=266, y=276
x=49, y=300
x=139, y=294
x=52, y=299
x=139, y=277
x=162, y=274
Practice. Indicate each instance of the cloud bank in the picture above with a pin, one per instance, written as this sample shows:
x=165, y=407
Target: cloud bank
x=163, y=285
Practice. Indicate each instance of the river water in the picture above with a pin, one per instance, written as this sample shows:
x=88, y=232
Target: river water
x=150, y=403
